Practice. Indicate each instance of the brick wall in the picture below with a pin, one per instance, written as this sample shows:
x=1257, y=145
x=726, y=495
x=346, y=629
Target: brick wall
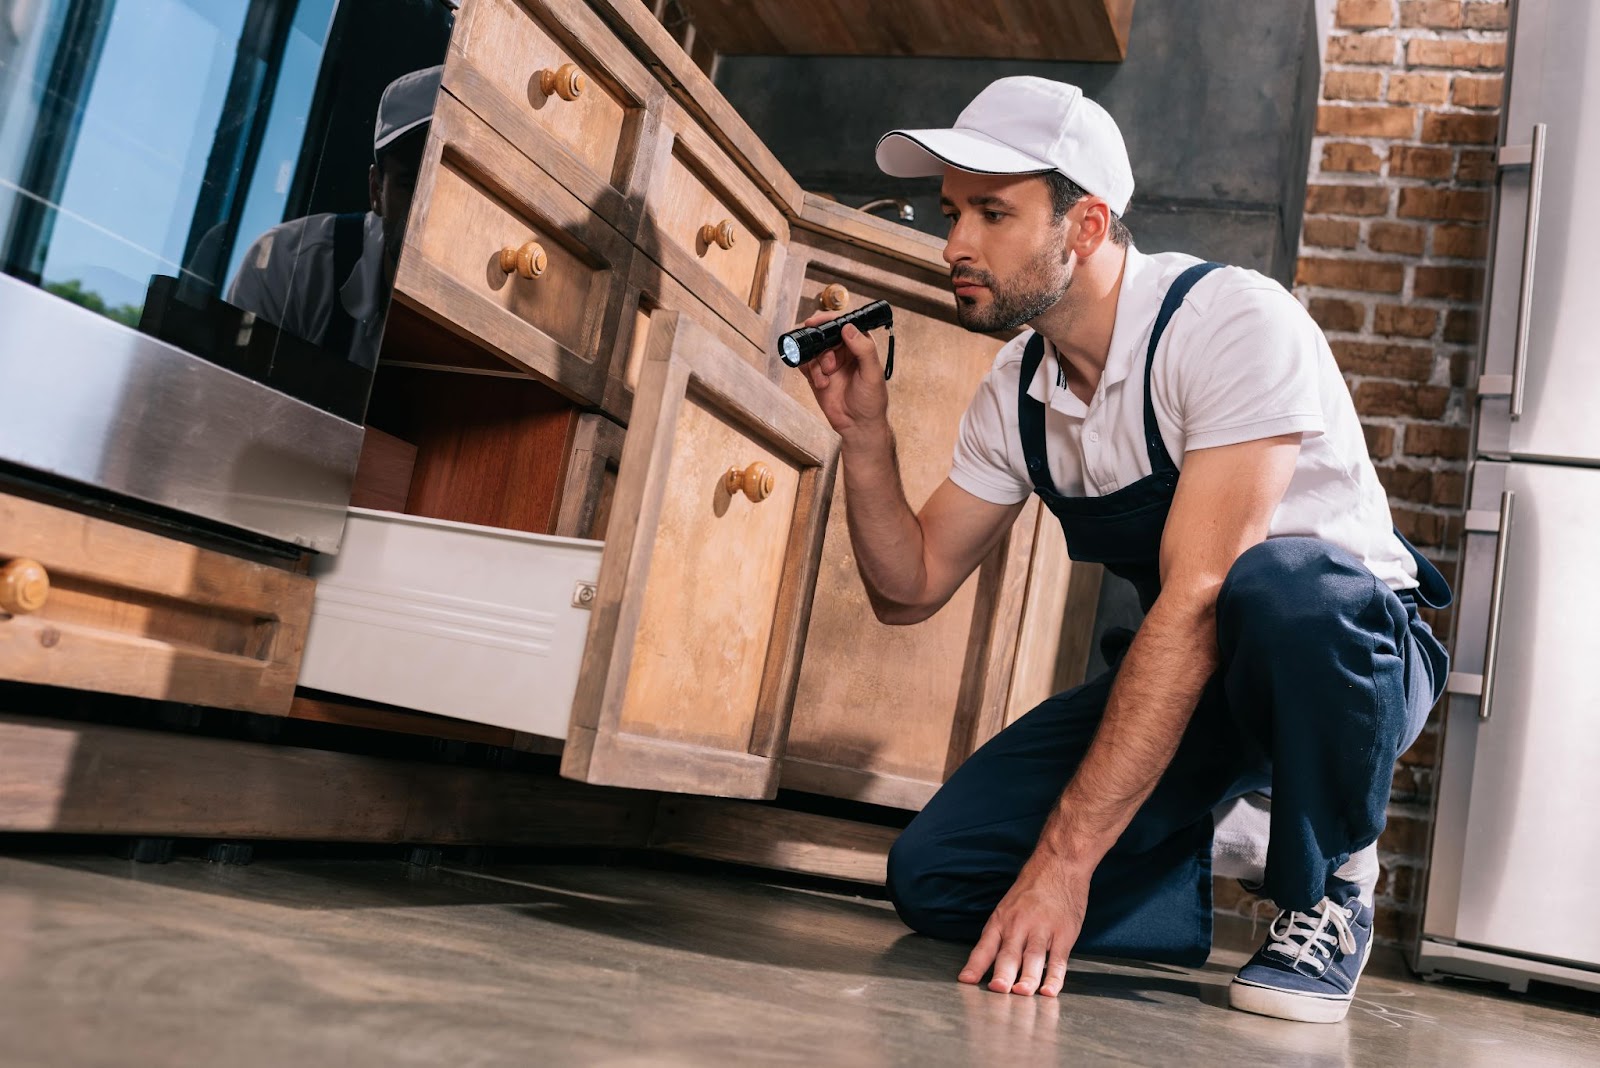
x=1391, y=265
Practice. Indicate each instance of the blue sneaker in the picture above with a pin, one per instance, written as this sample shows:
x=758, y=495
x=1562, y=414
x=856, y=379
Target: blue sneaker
x=1308, y=968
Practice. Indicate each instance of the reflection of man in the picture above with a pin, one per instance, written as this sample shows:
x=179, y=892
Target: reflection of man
x=326, y=278
x=1187, y=425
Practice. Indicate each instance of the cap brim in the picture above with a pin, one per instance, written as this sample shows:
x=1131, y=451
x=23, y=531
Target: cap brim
x=924, y=153
x=391, y=136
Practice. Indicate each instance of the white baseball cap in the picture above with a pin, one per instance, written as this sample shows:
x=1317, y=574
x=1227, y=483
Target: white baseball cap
x=407, y=103
x=1021, y=125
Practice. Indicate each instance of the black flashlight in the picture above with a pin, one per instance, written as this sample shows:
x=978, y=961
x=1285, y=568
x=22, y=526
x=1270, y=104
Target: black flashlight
x=808, y=342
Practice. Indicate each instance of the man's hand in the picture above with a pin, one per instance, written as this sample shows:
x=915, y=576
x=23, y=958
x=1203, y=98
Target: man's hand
x=1033, y=929
x=848, y=382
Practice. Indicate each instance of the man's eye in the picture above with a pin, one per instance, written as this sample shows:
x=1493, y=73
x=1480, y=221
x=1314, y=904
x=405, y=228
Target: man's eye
x=994, y=216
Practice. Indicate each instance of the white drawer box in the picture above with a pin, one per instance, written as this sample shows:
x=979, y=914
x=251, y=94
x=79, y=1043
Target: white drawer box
x=460, y=620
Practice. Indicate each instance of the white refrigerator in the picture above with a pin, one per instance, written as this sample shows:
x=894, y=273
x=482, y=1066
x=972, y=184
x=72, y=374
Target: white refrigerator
x=1516, y=847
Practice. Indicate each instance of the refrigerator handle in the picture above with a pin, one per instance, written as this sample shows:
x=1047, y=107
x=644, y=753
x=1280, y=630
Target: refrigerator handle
x=1530, y=250
x=1497, y=588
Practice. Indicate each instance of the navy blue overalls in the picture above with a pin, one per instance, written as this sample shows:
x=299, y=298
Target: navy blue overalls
x=1326, y=676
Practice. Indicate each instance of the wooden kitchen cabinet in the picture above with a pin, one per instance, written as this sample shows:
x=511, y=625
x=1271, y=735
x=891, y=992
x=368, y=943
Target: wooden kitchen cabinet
x=706, y=632
x=578, y=376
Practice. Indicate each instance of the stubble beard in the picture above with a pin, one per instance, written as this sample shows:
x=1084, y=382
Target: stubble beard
x=1037, y=288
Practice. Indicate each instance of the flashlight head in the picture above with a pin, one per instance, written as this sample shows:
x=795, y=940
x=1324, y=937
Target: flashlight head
x=789, y=349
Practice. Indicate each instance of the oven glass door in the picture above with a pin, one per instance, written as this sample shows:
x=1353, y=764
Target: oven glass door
x=229, y=176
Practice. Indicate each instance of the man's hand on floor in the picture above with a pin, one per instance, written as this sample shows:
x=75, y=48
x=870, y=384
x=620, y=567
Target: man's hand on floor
x=1032, y=930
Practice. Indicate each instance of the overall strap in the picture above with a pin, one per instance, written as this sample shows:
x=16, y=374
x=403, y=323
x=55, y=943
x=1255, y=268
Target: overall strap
x=1030, y=419
x=348, y=243
x=1160, y=460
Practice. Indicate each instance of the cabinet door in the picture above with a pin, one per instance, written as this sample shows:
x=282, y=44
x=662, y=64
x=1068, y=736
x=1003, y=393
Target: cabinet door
x=883, y=713
x=705, y=586
x=1547, y=242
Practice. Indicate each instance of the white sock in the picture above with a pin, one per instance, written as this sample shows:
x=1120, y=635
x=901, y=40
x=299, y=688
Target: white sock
x=1239, y=847
x=1362, y=869
x=1239, y=841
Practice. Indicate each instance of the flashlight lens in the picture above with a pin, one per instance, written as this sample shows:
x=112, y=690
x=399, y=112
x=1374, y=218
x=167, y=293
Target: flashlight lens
x=791, y=351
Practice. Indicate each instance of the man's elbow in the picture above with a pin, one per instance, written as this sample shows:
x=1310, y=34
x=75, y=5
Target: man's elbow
x=895, y=614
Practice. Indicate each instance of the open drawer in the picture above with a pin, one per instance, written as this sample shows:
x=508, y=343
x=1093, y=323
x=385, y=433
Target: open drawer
x=677, y=668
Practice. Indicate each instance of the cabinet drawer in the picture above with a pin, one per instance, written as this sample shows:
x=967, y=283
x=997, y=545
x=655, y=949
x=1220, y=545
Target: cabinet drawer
x=492, y=219
x=129, y=612
x=651, y=292
x=444, y=617
x=712, y=228
x=550, y=78
x=691, y=639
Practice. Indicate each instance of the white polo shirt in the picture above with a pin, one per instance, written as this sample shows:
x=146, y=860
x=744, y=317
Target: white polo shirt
x=1240, y=360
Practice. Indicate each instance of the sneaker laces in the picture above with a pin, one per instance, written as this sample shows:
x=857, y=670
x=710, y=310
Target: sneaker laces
x=1309, y=938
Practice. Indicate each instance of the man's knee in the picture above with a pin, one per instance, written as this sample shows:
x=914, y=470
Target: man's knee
x=910, y=867
x=1292, y=589
x=926, y=889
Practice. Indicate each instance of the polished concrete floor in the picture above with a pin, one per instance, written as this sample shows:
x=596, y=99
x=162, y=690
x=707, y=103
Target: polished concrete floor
x=309, y=963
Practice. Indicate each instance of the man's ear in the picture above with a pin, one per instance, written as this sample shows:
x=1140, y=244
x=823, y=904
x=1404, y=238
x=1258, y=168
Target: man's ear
x=1094, y=227
x=375, y=189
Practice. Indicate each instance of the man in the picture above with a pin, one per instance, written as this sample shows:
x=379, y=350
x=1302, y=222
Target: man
x=327, y=278
x=1188, y=426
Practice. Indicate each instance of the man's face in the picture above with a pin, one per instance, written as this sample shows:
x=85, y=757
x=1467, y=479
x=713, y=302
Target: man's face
x=393, y=181
x=1008, y=255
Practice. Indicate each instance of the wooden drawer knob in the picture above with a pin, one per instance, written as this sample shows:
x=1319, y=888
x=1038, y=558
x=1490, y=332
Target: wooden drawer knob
x=834, y=297
x=24, y=587
x=566, y=81
x=721, y=234
x=756, y=481
x=529, y=261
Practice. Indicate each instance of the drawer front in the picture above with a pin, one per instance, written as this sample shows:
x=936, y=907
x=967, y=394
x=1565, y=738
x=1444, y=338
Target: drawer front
x=705, y=587
x=550, y=78
x=881, y=712
x=465, y=621
x=652, y=292
x=492, y=219
x=126, y=611
x=711, y=228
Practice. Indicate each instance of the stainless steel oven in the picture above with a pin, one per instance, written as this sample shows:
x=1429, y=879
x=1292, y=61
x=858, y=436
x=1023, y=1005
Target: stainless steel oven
x=201, y=203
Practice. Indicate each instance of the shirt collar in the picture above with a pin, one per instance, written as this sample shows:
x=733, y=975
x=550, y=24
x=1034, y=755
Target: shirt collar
x=1139, y=280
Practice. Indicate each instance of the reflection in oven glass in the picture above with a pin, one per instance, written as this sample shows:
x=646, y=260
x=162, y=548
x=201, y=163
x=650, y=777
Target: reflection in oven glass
x=231, y=176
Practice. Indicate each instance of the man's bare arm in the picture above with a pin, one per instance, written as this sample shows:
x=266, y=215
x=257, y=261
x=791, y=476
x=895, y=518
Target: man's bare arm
x=1223, y=504
x=910, y=563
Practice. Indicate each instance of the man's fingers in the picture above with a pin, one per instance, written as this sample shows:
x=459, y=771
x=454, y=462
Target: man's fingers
x=1006, y=963
x=982, y=955
x=1055, y=976
x=862, y=347
x=1033, y=958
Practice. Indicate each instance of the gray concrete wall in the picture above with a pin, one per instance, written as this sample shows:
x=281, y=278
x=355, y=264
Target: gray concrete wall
x=1216, y=102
